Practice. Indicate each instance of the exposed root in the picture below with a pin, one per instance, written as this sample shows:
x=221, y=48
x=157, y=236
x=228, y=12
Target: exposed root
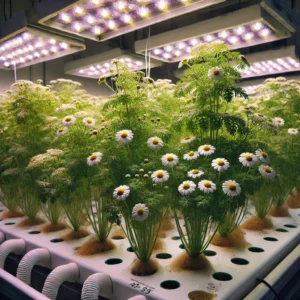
x=94, y=246
x=201, y=295
x=53, y=227
x=235, y=239
x=162, y=234
x=159, y=245
x=293, y=201
x=118, y=233
x=257, y=223
x=31, y=222
x=75, y=235
x=279, y=211
x=11, y=214
x=140, y=268
x=186, y=262
x=167, y=223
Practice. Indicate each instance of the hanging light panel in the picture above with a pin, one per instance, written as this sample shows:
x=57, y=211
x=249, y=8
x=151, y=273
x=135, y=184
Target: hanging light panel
x=100, y=65
x=105, y=19
x=243, y=28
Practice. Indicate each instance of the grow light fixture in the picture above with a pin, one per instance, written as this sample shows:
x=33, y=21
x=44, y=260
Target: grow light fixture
x=97, y=66
x=32, y=45
x=243, y=28
x=272, y=62
x=105, y=19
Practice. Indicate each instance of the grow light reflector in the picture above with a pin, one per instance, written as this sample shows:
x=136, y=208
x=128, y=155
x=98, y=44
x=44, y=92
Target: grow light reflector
x=32, y=46
x=99, y=65
x=243, y=28
x=104, y=19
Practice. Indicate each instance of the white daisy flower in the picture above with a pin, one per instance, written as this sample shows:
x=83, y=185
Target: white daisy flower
x=160, y=176
x=231, y=188
x=248, y=159
x=90, y=122
x=195, y=173
x=207, y=186
x=121, y=192
x=170, y=160
x=266, y=171
x=293, y=131
x=192, y=155
x=187, y=140
x=155, y=143
x=206, y=150
x=64, y=107
x=124, y=136
x=187, y=187
x=278, y=122
x=140, y=212
x=263, y=156
x=94, y=158
x=220, y=164
x=215, y=73
x=61, y=131
x=259, y=117
x=69, y=121
x=94, y=132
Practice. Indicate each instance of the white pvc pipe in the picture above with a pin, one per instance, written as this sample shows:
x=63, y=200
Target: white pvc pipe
x=16, y=246
x=21, y=286
x=138, y=297
x=40, y=256
x=69, y=272
x=98, y=284
x=2, y=237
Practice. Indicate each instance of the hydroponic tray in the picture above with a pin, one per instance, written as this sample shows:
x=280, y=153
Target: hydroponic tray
x=266, y=250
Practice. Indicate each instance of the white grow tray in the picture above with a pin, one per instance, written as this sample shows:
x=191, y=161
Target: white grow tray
x=243, y=276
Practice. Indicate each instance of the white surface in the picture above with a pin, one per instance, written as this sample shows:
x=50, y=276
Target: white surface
x=260, y=264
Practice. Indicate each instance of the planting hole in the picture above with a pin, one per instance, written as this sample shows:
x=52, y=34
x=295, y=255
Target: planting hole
x=170, y=284
x=176, y=238
x=113, y=261
x=281, y=230
x=239, y=261
x=118, y=237
x=270, y=239
x=222, y=276
x=34, y=232
x=256, y=249
x=56, y=240
x=209, y=253
x=181, y=246
x=290, y=226
x=163, y=255
x=130, y=249
x=10, y=223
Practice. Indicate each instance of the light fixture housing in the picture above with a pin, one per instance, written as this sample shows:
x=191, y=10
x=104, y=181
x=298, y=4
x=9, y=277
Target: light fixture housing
x=272, y=62
x=22, y=45
x=242, y=28
x=105, y=19
x=98, y=65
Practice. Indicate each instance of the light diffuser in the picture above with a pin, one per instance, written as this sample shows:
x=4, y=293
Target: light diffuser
x=31, y=45
x=242, y=28
x=105, y=19
x=99, y=65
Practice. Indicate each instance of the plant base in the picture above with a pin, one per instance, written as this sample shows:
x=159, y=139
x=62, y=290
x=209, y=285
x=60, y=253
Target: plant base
x=159, y=245
x=279, y=211
x=186, y=262
x=118, y=233
x=257, y=223
x=293, y=201
x=11, y=214
x=167, y=223
x=94, y=246
x=200, y=295
x=53, y=227
x=140, y=268
x=75, y=235
x=31, y=222
x=235, y=239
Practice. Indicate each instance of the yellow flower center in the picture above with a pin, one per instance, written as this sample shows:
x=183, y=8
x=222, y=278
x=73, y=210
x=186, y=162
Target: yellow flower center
x=120, y=192
x=155, y=141
x=264, y=154
x=248, y=157
x=140, y=211
x=278, y=121
x=268, y=169
x=186, y=186
x=68, y=119
x=124, y=135
x=60, y=130
x=89, y=121
x=232, y=186
x=260, y=115
x=195, y=172
x=160, y=174
x=170, y=158
x=49, y=125
x=187, y=138
x=207, y=184
x=206, y=148
x=93, y=157
x=191, y=153
x=221, y=163
x=216, y=72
